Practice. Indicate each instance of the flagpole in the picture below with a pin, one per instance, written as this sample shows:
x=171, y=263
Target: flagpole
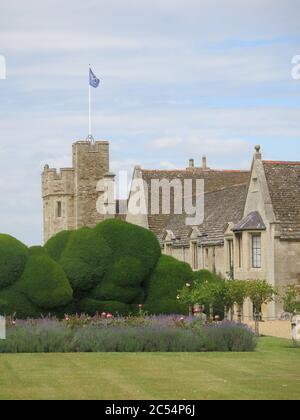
x=90, y=108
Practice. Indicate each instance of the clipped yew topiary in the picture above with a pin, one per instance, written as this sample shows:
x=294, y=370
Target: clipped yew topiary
x=85, y=259
x=135, y=253
x=110, y=291
x=128, y=240
x=44, y=282
x=57, y=244
x=162, y=288
x=13, y=302
x=91, y=306
x=13, y=256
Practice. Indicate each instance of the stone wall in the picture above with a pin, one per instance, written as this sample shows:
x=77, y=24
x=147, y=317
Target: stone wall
x=90, y=163
x=74, y=189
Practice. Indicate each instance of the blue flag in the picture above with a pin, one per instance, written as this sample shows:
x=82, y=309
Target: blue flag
x=94, y=81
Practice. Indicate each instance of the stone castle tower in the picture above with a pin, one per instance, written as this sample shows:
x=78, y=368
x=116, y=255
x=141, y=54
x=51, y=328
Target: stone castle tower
x=70, y=195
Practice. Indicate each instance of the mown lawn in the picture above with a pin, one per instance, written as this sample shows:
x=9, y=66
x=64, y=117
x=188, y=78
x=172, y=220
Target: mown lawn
x=272, y=372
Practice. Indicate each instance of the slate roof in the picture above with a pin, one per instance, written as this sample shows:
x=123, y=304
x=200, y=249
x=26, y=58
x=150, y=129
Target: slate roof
x=220, y=208
x=253, y=221
x=214, y=181
x=283, y=179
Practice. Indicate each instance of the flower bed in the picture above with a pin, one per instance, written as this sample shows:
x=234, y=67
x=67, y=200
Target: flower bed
x=131, y=334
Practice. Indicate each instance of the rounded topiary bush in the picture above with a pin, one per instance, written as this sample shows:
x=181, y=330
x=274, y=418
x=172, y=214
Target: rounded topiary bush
x=110, y=291
x=14, y=302
x=126, y=272
x=91, y=306
x=13, y=255
x=85, y=259
x=44, y=281
x=128, y=240
x=135, y=253
x=56, y=245
x=169, y=276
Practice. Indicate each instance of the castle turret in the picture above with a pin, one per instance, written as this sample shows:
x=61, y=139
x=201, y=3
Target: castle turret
x=70, y=195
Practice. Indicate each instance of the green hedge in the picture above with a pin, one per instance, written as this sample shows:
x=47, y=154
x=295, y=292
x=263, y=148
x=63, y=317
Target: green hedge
x=14, y=302
x=91, y=306
x=44, y=282
x=204, y=275
x=109, y=291
x=56, y=245
x=112, y=267
x=85, y=259
x=131, y=243
x=13, y=256
x=162, y=288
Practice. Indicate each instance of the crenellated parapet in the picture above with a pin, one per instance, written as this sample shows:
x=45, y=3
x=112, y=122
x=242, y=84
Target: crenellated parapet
x=56, y=182
x=70, y=194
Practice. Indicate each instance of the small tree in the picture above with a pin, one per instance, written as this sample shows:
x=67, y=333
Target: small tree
x=260, y=292
x=291, y=300
x=185, y=296
x=237, y=293
x=208, y=290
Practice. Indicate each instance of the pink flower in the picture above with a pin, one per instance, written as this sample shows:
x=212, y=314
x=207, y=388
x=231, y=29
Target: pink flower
x=181, y=318
x=14, y=323
x=109, y=315
x=67, y=318
x=103, y=314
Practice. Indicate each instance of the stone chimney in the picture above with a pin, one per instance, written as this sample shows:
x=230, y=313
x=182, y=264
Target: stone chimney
x=257, y=154
x=204, y=162
x=191, y=163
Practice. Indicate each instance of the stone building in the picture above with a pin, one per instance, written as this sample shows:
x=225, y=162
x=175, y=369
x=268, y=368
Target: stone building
x=70, y=195
x=251, y=226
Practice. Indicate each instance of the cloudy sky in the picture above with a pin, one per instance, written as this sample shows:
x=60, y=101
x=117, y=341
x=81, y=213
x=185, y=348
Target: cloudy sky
x=179, y=79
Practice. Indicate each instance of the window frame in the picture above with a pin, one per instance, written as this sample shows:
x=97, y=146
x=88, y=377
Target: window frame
x=256, y=251
x=195, y=256
x=59, y=209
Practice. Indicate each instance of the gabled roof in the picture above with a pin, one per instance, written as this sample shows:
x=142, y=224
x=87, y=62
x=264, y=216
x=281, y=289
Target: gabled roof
x=283, y=179
x=220, y=207
x=253, y=221
x=214, y=180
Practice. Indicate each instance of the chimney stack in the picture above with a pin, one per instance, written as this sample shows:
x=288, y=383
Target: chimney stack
x=191, y=163
x=204, y=162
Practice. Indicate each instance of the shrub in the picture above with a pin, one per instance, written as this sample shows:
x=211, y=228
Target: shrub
x=162, y=288
x=56, y=245
x=204, y=275
x=49, y=337
x=107, y=290
x=85, y=258
x=228, y=336
x=44, y=282
x=132, y=246
x=13, y=255
x=123, y=335
x=14, y=302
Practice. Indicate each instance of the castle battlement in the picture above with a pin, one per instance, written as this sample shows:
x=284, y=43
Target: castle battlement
x=69, y=194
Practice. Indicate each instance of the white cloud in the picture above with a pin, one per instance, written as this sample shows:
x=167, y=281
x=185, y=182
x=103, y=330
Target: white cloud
x=167, y=165
x=164, y=142
x=180, y=78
